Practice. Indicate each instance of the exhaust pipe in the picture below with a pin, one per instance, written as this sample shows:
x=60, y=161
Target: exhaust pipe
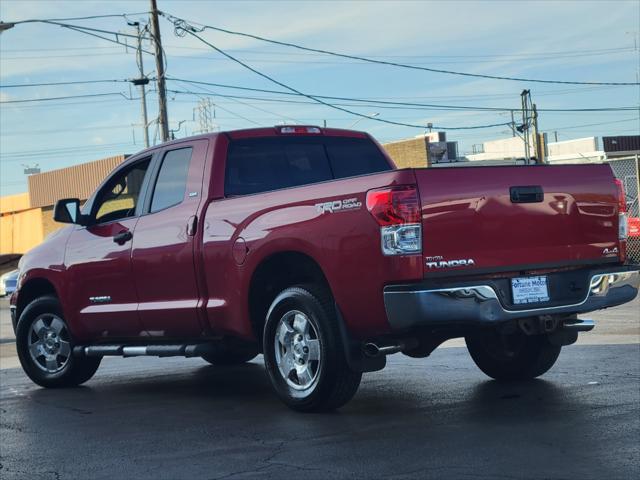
x=579, y=325
x=374, y=350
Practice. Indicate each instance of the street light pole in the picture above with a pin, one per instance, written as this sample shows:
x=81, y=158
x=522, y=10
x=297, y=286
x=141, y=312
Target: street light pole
x=162, y=93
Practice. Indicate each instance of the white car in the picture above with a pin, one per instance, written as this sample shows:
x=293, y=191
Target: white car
x=8, y=282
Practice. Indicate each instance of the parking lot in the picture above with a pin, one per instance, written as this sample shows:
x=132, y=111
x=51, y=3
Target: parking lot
x=437, y=417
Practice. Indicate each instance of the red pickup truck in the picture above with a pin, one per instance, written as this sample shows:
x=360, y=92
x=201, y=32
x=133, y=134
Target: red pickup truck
x=308, y=245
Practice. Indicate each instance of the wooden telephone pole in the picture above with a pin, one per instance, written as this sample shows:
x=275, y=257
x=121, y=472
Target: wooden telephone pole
x=163, y=118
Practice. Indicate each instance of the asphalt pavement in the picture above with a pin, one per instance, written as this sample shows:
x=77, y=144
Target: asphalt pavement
x=438, y=417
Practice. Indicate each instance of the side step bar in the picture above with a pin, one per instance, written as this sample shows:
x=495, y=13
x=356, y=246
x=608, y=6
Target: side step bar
x=182, y=350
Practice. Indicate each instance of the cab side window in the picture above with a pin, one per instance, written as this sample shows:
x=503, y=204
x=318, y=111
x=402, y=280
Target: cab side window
x=172, y=179
x=119, y=198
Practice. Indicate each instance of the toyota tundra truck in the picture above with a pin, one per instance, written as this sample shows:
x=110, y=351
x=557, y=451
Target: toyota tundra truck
x=308, y=246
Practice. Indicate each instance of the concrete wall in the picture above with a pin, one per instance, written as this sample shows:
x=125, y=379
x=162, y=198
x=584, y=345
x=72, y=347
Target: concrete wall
x=580, y=145
x=408, y=153
x=501, y=149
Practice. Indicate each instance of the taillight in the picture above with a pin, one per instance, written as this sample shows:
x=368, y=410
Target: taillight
x=397, y=211
x=623, y=228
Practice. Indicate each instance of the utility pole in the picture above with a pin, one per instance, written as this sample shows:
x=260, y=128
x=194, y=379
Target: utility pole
x=141, y=82
x=525, y=124
x=513, y=125
x=162, y=93
x=536, y=138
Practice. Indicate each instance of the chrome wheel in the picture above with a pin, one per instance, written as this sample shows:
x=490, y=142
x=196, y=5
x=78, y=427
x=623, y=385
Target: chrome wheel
x=48, y=343
x=297, y=350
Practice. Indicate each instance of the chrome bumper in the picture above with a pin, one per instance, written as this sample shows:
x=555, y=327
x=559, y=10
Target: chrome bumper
x=409, y=308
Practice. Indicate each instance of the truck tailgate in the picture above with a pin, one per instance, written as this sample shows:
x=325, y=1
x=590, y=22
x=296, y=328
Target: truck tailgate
x=515, y=218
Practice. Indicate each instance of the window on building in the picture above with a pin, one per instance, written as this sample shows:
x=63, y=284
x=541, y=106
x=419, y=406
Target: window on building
x=119, y=198
x=172, y=180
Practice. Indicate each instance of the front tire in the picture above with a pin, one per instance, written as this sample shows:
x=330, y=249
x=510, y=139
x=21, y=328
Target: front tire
x=512, y=357
x=45, y=347
x=303, y=351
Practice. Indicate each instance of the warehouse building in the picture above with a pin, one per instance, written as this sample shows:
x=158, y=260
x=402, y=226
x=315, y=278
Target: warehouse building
x=27, y=218
x=427, y=150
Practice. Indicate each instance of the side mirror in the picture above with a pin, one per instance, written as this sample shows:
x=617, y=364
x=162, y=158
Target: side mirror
x=67, y=210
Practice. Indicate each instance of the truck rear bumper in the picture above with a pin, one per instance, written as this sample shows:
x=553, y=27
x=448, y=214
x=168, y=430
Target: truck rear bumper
x=478, y=303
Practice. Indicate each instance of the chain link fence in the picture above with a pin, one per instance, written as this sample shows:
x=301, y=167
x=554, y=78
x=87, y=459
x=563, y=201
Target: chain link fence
x=626, y=169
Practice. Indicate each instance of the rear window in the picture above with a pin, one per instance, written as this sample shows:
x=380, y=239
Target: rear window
x=263, y=164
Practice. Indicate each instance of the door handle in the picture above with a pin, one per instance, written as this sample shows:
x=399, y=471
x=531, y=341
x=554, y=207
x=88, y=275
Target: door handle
x=122, y=237
x=526, y=194
x=192, y=224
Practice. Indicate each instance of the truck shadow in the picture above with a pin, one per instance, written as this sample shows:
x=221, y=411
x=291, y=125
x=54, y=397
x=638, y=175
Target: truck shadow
x=212, y=390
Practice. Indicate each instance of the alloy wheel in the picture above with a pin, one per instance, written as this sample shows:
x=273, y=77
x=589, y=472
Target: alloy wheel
x=297, y=350
x=48, y=343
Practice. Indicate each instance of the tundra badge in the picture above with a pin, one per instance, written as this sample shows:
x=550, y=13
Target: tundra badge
x=439, y=262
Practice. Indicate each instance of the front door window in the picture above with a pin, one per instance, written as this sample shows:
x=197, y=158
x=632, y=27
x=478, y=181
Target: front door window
x=119, y=198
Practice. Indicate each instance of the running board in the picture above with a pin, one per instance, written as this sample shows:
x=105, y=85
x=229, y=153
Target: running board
x=182, y=350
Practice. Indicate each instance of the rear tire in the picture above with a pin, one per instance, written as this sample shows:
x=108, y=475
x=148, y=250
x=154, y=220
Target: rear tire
x=512, y=357
x=303, y=351
x=45, y=347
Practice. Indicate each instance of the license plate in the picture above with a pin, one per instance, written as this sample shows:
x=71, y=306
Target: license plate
x=529, y=290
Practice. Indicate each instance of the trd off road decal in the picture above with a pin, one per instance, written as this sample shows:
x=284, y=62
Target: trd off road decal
x=338, y=205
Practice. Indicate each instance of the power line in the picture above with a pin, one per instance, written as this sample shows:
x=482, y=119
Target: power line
x=187, y=29
x=288, y=118
x=46, y=57
x=502, y=57
x=46, y=99
x=360, y=62
x=17, y=156
x=524, y=56
x=95, y=128
x=75, y=82
x=80, y=102
x=199, y=95
x=70, y=19
x=407, y=104
x=371, y=102
x=88, y=30
x=183, y=25
x=571, y=127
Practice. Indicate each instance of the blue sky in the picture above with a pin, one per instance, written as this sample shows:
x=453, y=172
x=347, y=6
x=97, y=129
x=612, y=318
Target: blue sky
x=568, y=40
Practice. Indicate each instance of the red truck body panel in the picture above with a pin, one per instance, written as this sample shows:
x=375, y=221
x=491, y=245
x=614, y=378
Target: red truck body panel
x=288, y=221
x=163, y=260
x=468, y=213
